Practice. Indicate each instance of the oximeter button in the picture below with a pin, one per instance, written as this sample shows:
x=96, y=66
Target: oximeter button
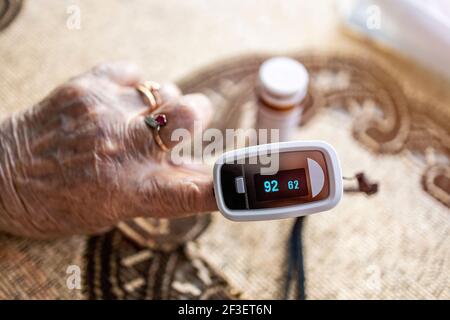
x=229, y=187
x=316, y=176
x=240, y=185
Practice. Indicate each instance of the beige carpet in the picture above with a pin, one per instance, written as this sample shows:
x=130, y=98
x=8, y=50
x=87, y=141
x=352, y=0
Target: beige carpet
x=395, y=244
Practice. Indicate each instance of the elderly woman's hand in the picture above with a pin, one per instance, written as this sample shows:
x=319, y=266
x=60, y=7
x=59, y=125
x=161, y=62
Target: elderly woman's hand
x=83, y=159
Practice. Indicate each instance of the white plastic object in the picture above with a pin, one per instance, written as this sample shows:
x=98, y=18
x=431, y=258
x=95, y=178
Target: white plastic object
x=316, y=176
x=283, y=82
x=417, y=28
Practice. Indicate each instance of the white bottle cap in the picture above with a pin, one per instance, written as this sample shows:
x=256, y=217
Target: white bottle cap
x=283, y=81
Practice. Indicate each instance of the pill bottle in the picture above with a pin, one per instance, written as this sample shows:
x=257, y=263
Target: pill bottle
x=281, y=89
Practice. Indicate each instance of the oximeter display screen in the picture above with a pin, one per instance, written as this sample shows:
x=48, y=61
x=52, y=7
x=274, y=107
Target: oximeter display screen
x=284, y=184
x=294, y=178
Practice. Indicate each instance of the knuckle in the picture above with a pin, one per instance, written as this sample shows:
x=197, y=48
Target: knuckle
x=185, y=111
x=107, y=146
x=84, y=106
x=191, y=195
x=101, y=69
x=75, y=98
x=72, y=91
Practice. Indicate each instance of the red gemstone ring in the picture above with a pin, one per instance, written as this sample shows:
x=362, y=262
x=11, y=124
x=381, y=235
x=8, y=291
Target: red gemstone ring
x=155, y=122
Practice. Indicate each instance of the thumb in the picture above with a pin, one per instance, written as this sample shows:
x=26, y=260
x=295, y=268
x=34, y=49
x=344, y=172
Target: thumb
x=175, y=192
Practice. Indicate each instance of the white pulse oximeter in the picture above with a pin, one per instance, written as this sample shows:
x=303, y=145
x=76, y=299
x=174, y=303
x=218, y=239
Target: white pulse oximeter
x=278, y=180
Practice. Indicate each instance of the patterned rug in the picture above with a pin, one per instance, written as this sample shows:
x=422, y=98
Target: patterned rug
x=9, y=9
x=395, y=244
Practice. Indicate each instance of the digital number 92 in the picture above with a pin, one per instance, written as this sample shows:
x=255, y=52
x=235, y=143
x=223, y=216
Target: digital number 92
x=271, y=186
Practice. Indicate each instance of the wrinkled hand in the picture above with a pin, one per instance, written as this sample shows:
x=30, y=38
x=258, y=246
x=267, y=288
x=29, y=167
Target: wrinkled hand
x=83, y=159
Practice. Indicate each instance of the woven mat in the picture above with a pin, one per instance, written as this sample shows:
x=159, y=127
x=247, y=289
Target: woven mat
x=375, y=108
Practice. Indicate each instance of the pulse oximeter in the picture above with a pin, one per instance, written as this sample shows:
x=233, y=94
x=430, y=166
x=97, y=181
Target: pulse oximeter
x=277, y=180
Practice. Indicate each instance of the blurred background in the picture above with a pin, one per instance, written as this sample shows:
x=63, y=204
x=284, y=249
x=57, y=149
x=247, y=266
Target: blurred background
x=51, y=40
x=395, y=244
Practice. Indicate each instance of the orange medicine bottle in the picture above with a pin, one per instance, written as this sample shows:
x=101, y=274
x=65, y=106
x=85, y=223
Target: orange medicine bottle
x=282, y=87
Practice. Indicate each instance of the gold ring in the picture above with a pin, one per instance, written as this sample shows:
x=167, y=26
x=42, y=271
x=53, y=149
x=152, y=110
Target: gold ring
x=155, y=122
x=150, y=92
